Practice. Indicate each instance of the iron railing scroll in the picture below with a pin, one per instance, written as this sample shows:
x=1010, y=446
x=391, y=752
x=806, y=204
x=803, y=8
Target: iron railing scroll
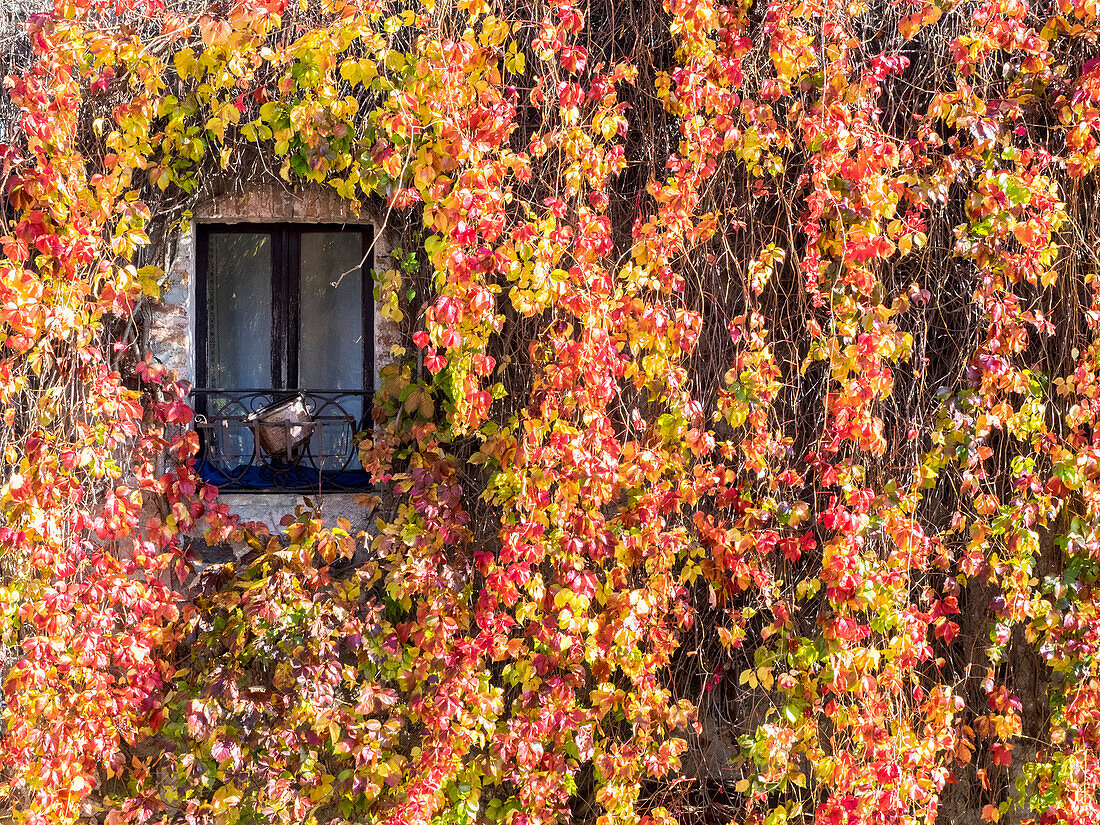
x=281, y=441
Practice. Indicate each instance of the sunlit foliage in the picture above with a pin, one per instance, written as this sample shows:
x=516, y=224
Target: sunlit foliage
x=751, y=371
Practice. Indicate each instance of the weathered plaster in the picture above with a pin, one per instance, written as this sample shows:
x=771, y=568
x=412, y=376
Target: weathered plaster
x=171, y=322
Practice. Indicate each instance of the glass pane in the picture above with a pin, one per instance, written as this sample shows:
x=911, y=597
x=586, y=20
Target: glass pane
x=330, y=334
x=330, y=340
x=238, y=310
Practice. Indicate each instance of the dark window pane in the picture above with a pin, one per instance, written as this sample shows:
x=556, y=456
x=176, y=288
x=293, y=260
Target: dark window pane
x=238, y=310
x=330, y=339
x=330, y=334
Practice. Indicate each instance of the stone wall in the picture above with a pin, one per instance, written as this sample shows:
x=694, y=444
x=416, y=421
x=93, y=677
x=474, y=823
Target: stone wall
x=170, y=324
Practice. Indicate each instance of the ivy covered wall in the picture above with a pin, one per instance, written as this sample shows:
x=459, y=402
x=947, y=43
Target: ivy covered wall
x=737, y=458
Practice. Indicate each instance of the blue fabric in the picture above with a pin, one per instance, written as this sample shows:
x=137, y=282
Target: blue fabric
x=280, y=479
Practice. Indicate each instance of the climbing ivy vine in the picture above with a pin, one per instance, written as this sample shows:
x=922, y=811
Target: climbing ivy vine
x=748, y=394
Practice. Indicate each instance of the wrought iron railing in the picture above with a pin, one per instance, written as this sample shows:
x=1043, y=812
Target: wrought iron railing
x=265, y=440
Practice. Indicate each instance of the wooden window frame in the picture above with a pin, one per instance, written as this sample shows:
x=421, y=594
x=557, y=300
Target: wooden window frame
x=285, y=298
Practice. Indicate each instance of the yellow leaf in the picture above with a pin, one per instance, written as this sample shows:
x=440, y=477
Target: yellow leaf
x=764, y=675
x=184, y=61
x=395, y=61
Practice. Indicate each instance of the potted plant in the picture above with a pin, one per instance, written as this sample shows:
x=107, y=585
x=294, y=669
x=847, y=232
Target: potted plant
x=282, y=426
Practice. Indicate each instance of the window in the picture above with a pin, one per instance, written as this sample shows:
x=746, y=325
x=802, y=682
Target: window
x=285, y=354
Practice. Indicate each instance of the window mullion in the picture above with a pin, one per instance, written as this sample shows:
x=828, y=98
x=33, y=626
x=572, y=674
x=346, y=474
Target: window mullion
x=278, y=312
